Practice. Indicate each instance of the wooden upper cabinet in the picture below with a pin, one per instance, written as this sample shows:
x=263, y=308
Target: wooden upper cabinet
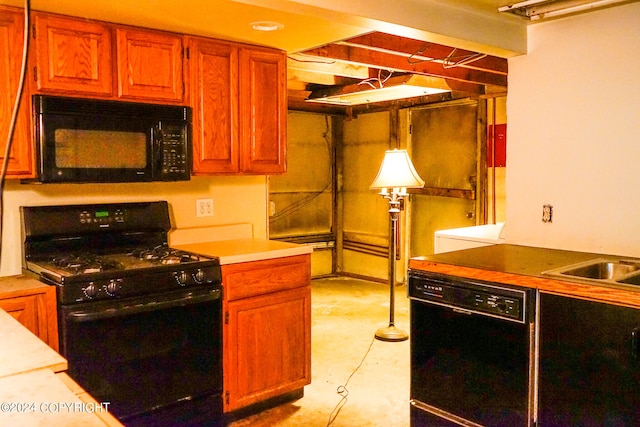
x=213, y=68
x=239, y=106
x=72, y=55
x=149, y=65
x=263, y=113
x=21, y=160
x=77, y=57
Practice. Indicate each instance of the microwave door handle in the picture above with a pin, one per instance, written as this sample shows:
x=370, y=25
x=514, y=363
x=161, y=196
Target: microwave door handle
x=156, y=147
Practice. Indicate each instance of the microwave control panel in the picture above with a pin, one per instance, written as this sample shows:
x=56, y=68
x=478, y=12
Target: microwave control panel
x=175, y=157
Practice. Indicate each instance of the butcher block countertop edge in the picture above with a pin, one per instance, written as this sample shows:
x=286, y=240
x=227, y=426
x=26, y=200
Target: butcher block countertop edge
x=523, y=266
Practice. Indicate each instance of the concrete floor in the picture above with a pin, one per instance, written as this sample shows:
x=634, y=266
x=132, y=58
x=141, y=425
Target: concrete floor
x=346, y=313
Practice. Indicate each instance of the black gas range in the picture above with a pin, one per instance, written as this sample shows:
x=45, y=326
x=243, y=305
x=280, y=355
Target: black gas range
x=139, y=322
x=95, y=252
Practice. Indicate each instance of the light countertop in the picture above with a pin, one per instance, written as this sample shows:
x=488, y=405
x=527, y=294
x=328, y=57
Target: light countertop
x=21, y=351
x=34, y=389
x=40, y=398
x=245, y=250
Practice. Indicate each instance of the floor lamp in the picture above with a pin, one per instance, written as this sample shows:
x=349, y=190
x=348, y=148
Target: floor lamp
x=396, y=174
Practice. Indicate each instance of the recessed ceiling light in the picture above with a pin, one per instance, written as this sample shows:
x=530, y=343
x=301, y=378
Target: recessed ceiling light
x=266, y=26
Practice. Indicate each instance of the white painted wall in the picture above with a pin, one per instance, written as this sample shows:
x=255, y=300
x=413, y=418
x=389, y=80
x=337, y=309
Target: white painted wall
x=574, y=134
x=235, y=200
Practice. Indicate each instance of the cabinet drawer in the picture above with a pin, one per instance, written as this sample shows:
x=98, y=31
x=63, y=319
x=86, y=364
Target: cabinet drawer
x=248, y=279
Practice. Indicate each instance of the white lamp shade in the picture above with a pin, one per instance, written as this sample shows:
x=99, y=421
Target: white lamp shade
x=397, y=171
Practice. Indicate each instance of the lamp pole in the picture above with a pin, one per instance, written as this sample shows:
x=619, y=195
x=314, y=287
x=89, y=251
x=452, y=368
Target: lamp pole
x=391, y=333
x=396, y=174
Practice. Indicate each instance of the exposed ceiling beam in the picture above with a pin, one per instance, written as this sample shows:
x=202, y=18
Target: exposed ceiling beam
x=400, y=63
x=313, y=64
x=421, y=50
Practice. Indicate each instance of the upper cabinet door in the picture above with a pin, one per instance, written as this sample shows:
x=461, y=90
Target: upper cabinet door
x=20, y=163
x=214, y=95
x=149, y=65
x=72, y=55
x=263, y=113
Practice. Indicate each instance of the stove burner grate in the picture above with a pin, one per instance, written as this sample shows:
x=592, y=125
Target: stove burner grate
x=164, y=255
x=84, y=264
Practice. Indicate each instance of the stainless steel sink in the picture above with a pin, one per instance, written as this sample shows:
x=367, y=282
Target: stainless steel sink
x=601, y=270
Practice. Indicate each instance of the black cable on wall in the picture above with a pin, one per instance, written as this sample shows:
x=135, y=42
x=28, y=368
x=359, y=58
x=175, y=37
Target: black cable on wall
x=14, y=115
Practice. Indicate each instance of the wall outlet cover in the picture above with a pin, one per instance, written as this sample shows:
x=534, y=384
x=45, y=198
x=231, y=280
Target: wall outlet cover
x=547, y=213
x=204, y=207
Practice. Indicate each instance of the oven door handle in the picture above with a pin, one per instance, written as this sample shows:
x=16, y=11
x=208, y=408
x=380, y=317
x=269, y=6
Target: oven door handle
x=161, y=303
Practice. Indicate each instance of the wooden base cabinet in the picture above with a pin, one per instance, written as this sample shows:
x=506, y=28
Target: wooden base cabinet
x=33, y=304
x=267, y=329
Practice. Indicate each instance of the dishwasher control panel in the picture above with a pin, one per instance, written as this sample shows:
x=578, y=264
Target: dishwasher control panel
x=470, y=295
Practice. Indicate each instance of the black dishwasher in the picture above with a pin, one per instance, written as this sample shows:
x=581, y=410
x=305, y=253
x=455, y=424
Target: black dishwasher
x=589, y=363
x=472, y=352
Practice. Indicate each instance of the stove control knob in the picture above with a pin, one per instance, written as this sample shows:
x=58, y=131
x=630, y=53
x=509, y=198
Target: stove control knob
x=182, y=278
x=91, y=291
x=113, y=287
x=198, y=276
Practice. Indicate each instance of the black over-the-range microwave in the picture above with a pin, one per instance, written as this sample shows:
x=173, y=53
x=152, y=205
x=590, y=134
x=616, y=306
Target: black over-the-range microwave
x=87, y=140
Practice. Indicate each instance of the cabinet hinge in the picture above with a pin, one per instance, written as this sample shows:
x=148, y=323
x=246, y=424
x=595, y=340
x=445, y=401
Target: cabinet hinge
x=33, y=30
x=226, y=397
x=35, y=74
x=186, y=52
x=226, y=317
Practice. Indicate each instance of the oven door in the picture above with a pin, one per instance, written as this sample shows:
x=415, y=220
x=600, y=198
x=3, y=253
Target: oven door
x=469, y=369
x=148, y=355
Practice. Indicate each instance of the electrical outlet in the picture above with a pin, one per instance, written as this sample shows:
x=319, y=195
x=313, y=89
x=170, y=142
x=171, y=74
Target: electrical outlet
x=547, y=213
x=204, y=207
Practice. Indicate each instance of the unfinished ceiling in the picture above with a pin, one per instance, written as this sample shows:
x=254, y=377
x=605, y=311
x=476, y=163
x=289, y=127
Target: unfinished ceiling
x=337, y=46
x=376, y=58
